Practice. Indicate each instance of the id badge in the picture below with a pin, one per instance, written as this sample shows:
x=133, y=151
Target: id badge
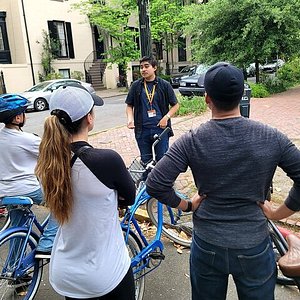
x=151, y=113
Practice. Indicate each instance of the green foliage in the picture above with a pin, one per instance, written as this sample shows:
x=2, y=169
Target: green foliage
x=287, y=76
x=243, y=31
x=77, y=75
x=191, y=105
x=49, y=47
x=290, y=72
x=258, y=90
x=165, y=77
x=167, y=21
x=273, y=84
x=112, y=18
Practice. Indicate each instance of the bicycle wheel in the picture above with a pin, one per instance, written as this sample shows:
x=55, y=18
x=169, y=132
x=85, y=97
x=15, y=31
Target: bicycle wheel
x=4, y=218
x=22, y=283
x=134, y=247
x=177, y=225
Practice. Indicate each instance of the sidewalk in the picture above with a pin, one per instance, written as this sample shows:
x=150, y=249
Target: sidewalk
x=281, y=111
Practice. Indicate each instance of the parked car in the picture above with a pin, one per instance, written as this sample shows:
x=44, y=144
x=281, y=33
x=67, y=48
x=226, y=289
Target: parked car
x=186, y=71
x=39, y=95
x=194, y=84
x=273, y=66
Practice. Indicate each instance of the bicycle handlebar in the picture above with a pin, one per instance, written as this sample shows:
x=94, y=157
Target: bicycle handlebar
x=157, y=139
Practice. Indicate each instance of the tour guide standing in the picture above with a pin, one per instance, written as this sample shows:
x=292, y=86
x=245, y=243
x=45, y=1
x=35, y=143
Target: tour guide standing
x=233, y=160
x=148, y=109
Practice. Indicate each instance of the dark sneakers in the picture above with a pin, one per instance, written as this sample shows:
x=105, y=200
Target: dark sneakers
x=43, y=254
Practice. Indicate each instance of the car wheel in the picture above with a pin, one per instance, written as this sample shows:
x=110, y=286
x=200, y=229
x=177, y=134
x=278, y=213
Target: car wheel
x=40, y=104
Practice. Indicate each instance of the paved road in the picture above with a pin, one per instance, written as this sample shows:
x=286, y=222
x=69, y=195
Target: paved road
x=110, y=115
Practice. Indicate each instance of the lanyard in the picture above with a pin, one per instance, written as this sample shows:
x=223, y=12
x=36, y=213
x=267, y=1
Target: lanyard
x=149, y=94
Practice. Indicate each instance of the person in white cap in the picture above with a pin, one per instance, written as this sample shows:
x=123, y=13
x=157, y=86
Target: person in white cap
x=82, y=187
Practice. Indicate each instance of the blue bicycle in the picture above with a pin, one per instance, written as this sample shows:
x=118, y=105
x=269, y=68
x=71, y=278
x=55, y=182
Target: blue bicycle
x=20, y=272
x=146, y=255
x=177, y=225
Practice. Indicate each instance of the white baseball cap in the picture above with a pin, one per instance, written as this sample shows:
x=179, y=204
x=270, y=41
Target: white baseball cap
x=76, y=101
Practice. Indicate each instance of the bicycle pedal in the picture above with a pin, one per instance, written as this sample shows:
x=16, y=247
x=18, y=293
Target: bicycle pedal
x=157, y=255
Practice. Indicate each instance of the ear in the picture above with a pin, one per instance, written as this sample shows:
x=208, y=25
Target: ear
x=18, y=118
x=208, y=100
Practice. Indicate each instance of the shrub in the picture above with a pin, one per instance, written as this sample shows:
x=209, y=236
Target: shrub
x=165, y=77
x=258, y=90
x=289, y=73
x=77, y=75
x=274, y=85
x=191, y=105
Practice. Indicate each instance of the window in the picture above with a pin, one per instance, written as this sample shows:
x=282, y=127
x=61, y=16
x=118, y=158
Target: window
x=61, y=33
x=65, y=73
x=181, y=49
x=5, y=57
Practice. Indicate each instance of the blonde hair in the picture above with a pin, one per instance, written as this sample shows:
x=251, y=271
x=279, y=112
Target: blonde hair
x=53, y=169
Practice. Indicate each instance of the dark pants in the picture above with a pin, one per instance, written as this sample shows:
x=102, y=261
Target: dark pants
x=124, y=291
x=253, y=270
x=145, y=141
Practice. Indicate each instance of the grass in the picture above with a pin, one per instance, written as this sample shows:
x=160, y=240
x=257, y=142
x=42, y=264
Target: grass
x=191, y=105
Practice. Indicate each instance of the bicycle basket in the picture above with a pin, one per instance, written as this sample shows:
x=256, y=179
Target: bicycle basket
x=136, y=170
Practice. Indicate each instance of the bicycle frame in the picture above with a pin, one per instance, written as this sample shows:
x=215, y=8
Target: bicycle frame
x=26, y=262
x=129, y=224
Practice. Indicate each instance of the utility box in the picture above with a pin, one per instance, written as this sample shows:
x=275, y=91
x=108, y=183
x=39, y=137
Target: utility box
x=245, y=102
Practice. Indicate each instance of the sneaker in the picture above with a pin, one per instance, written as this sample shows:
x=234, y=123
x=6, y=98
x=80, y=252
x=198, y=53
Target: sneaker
x=43, y=254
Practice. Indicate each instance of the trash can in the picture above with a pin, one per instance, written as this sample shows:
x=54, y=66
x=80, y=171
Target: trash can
x=245, y=102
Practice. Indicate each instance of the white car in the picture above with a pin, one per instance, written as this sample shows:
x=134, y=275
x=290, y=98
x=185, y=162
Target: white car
x=39, y=95
x=273, y=66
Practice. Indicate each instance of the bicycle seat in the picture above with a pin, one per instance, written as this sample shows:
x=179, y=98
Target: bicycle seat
x=16, y=201
x=290, y=262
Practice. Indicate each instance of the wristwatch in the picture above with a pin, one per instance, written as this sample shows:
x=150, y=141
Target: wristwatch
x=189, y=207
x=168, y=115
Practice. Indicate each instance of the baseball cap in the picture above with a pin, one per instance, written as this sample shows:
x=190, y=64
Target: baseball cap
x=224, y=82
x=76, y=101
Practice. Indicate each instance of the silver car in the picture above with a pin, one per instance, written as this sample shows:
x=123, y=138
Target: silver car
x=40, y=94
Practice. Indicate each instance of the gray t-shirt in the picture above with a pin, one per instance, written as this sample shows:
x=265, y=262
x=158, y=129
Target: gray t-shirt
x=233, y=162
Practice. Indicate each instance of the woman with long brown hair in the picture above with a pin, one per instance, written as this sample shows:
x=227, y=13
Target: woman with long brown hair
x=82, y=187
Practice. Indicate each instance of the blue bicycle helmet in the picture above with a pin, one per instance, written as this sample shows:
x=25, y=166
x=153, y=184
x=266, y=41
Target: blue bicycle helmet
x=12, y=105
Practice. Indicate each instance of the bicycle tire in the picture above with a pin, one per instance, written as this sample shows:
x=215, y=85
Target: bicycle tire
x=4, y=218
x=25, y=285
x=179, y=230
x=134, y=247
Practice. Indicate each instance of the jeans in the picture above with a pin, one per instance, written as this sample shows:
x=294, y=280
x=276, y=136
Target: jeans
x=145, y=141
x=253, y=270
x=18, y=219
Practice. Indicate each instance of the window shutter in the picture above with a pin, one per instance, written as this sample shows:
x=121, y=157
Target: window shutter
x=70, y=40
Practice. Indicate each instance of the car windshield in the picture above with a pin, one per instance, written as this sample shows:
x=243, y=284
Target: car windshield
x=39, y=86
x=187, y=69
x=201, y=69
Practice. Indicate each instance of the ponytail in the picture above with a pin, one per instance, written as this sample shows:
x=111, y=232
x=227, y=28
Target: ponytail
x=53, y=169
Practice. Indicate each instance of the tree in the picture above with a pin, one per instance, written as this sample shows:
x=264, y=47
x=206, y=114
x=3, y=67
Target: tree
x=112, y=18
x=243, y=31
x=167, y=20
